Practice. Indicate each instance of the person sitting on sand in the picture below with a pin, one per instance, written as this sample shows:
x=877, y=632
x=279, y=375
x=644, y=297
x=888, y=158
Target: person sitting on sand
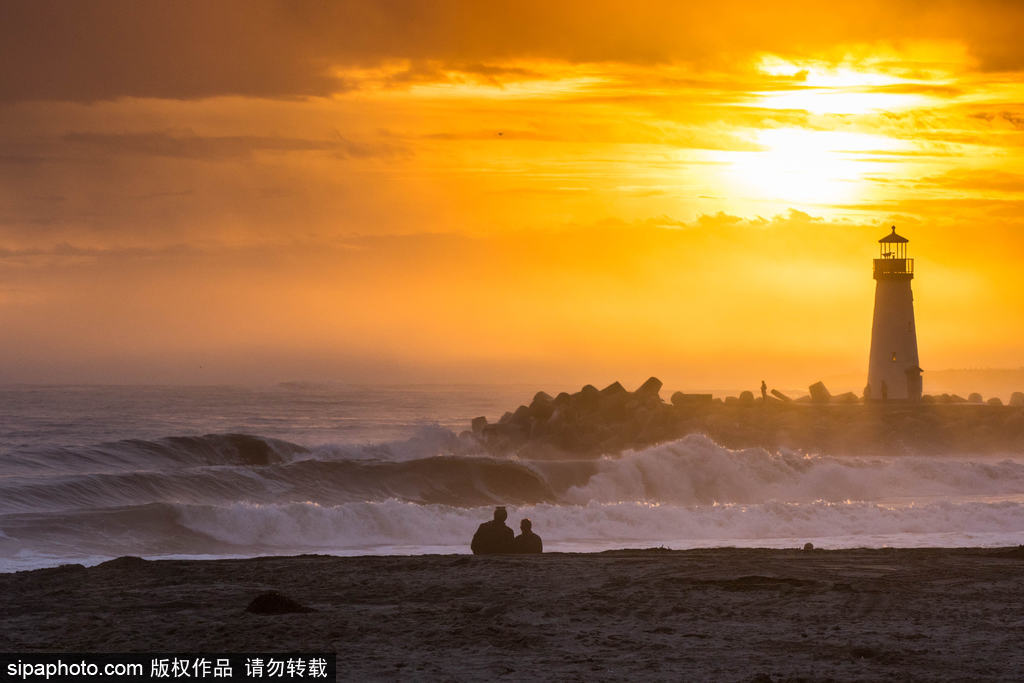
x=527, y=542
x=493, y=537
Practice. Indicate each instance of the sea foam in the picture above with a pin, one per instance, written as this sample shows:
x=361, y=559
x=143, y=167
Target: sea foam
x=226, y=496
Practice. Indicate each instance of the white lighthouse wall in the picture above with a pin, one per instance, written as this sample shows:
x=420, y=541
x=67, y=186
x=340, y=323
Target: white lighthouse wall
x=892, y=331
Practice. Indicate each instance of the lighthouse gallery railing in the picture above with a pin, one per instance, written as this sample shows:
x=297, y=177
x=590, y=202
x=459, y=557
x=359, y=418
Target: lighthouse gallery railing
x=894, y=266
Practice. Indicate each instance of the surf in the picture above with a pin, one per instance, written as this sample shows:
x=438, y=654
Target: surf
x=237, y=494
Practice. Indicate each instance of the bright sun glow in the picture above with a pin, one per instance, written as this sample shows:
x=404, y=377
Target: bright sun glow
x=806, y=166
x=823, y=89
x=840, y=100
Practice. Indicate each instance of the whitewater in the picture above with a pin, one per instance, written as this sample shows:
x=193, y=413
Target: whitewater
x=90, y=473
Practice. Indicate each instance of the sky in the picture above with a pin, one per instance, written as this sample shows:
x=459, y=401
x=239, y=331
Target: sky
x=536, y=192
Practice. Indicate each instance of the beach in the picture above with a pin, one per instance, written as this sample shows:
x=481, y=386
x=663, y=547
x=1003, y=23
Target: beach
x=712, y=614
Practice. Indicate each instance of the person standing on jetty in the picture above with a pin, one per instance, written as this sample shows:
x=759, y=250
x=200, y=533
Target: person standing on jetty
x=527, y=543
x=493, y=537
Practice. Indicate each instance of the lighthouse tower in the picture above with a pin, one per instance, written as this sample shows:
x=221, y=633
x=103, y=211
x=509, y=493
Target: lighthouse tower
x=893, y=370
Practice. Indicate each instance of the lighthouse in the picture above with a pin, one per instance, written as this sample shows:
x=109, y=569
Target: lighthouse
x=893, y=370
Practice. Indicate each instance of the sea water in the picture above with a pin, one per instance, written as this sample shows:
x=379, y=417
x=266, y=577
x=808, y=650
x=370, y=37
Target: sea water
x=89, y=473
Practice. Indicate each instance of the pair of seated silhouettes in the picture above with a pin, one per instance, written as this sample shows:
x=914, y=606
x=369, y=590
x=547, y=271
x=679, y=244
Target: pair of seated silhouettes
x=494, y=537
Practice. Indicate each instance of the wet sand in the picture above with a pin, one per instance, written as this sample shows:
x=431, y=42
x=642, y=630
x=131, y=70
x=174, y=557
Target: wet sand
x=720, y=614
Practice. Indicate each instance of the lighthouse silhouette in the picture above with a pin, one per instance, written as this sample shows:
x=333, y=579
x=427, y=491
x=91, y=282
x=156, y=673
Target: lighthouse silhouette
x=893, y=370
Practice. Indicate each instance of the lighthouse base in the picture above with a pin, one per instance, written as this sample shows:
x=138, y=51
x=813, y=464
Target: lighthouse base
x=893, y=370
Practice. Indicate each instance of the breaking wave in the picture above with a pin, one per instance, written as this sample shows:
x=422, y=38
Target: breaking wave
x=691, y=471
x=393, y=526
x=241, y=494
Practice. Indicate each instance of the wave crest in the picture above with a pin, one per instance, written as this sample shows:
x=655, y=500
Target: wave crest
x=697, y=471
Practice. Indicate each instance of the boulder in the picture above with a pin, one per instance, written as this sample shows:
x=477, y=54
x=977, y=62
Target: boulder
x=617, y=407
x=478, y=424
x=614, y=389
x=587, y=397
x=746, y=398
x=542, y=406
x=562, y=398
x=994, y=401
x=563, y=423
x=975, y=397
x=1017, y=399
x=273, y=602
x=680, y=399
x=538, y=427
x=819, y=393
x=504, y=434
x=650, y=388
x=658, y=425
x=521, y=416
x=568, y=433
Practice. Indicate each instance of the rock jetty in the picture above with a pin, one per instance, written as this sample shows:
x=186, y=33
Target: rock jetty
x=593, y=422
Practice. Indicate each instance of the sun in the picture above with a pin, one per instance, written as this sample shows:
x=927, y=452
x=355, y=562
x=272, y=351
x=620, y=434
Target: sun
x=806, y=167
x=829, y=159
x=797, y=165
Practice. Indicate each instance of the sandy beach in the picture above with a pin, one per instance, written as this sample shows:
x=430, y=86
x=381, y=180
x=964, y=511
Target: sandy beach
x=718, y=614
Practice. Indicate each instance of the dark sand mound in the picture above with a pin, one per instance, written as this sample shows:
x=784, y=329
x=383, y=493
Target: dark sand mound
x=124, y=563
x=273, y=602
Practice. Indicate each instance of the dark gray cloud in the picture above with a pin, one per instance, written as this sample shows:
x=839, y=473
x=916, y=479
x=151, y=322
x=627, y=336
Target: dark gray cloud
x=192, y=146
x=113, y=48
x=90, y=146
x=85, y=51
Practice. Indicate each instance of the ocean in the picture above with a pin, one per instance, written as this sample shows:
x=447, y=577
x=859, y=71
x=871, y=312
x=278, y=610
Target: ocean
x=88, y=473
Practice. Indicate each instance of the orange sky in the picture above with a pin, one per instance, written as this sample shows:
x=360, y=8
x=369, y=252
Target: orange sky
x=550, y=192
